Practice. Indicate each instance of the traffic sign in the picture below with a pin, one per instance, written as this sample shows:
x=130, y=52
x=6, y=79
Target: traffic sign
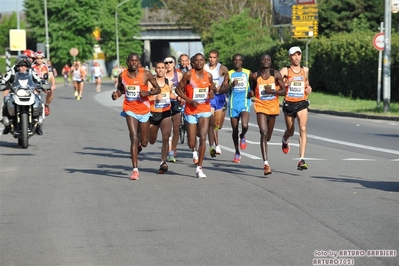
x=378, y=41
x=74, y=52
x=304, y=21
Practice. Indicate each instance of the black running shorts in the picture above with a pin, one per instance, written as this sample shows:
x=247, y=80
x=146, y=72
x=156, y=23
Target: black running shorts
x=157, y=117
x=176, y=107
x=292, y=108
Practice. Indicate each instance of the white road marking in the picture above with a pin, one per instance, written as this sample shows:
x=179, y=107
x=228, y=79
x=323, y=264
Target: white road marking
x=358, y=159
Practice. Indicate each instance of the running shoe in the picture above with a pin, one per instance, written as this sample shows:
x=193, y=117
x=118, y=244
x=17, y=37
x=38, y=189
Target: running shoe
x=212, y=151
x=75, y=94
x=200, y=174
x=302, y=165
x=78, y=98
x=46, y=110
x=285, y=147
x=171, y=158
x=135, y=175
x=98, y=90
x=218, y=150
x=163, y=168
x=243, y=143
x=237, y=158
x=195, y=158
x=267, y=170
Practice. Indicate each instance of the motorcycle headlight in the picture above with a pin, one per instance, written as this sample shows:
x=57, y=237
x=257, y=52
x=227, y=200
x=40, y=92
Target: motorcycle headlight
x=23, y=93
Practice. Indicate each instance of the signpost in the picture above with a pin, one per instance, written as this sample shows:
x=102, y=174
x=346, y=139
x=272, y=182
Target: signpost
x=378, y=42
x=74, y=52
x=305, y=24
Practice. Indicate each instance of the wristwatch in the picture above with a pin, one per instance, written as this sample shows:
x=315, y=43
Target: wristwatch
x=274, y=91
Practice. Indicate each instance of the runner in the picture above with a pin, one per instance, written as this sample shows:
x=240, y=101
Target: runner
x=176, y=106
x=267, y=85
x=218, y=103
x=41, y=68
x=196, y=88
x=161, y=113
x=237, y=84
x=296, y=103
x=133, y=83
x=78, y=79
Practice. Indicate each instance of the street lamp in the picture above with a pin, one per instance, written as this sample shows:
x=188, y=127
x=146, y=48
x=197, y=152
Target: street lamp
x=116, y=26
x=46, y=25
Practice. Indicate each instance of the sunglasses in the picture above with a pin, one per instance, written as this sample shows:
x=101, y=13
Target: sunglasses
x=169, y=62
x=39, y=58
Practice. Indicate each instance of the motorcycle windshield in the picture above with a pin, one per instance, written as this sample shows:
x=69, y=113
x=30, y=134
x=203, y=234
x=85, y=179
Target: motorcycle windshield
x=23, y=80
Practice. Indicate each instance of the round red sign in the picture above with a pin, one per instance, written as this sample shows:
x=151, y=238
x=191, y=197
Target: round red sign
x=378, y=41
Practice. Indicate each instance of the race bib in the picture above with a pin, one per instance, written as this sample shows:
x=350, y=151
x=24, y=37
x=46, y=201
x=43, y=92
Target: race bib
x=296, y=89
x=164, y=102
x=132, y=93
x=241, y=84
x=200, y=94
x=263, y=95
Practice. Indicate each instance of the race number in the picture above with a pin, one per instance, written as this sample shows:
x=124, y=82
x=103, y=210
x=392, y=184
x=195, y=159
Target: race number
x=200, y=94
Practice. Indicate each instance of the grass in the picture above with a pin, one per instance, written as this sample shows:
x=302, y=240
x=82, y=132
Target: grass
x=326, y=102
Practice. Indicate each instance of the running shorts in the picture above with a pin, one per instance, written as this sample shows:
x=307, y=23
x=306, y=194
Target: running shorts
x=292, y=108
x=157, y=117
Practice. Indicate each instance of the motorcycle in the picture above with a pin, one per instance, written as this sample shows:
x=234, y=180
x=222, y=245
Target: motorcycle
x=23, y=111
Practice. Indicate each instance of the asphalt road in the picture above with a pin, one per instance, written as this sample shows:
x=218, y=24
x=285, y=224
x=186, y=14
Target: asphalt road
x=67, y=199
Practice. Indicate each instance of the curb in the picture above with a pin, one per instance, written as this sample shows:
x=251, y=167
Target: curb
x=355, y=115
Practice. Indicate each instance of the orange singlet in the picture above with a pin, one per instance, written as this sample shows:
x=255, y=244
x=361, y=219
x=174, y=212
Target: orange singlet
x=198, y=90
x=266, y=103
x=133, y=101
x=296, y=88
x=162, y=105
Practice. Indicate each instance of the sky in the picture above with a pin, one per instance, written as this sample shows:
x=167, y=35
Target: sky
x=11, y=5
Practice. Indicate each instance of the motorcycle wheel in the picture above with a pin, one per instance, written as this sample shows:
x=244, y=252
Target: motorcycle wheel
x=24, y=130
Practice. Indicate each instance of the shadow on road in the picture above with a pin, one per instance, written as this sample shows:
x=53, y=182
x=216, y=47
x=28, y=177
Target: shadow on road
x=389, y=186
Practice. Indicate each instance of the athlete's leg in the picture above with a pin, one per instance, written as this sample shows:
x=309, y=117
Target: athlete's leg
x=303, y=136
x=166, y=127
x=234, y=126
x=263, y=130
x=244, y=123
x=175, y=137
x=203, y=125
x=132, y=125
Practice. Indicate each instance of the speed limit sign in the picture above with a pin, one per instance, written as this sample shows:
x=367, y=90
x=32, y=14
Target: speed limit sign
x=378, y=41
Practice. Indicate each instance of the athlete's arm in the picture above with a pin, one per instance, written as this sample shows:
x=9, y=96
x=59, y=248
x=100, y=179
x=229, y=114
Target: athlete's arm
x=120, y=89
x=225, y=85
x=150, y=78
x=279, y=81
x=308, y=88
x=252, y=84
x=181, y=87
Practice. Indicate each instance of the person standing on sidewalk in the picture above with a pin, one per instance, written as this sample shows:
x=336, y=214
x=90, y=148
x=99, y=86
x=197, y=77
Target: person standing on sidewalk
x=237, y=84
x=161, y=113
x=296, y=103
x=267, y=84
x=133, y=83
x=196, y=88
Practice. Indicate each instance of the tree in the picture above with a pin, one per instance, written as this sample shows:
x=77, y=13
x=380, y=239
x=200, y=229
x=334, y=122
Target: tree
x=201, y=14
x=238, y=34
x=68, y=26
x=129, y=16
x=337, y=16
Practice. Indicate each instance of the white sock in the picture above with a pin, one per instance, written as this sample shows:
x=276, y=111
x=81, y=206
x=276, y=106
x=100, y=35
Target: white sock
x=135, y=169
x=265, y=162
x=195, y=154
x=199, y=168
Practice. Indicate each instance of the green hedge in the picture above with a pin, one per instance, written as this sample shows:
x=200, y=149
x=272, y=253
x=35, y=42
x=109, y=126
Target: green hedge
x=345, y=64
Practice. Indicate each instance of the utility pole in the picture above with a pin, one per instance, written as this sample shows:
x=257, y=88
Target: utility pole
x=387, y=57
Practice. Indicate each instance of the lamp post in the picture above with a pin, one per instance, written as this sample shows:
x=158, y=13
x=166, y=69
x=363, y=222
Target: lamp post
x=116, y=32
x=46, y=25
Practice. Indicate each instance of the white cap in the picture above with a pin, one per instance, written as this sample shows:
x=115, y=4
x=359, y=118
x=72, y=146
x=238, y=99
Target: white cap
x=293, y=50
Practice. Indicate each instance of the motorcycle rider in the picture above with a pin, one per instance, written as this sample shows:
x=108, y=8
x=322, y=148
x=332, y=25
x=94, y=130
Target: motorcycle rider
x=22, y=65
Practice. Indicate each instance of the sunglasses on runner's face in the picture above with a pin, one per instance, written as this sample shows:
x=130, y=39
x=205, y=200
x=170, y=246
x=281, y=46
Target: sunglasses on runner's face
x=169, y=62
